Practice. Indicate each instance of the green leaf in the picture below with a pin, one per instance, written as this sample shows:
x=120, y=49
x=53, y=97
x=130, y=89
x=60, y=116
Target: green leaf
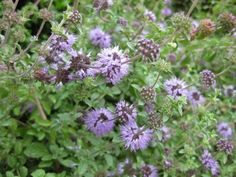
x=38, y=173
x=36, y=150
x=23, y=171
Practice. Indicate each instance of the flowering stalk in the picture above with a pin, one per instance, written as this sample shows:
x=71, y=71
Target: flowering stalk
x=39, y=105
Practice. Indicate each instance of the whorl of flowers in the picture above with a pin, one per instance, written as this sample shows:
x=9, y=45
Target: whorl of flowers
x=166, y=11
x=100, y=38
x=225, y=145
x=175, y=87
x=102, y=4
x=206, y=28
x=148, y=94
x=80, y=65
x=210, y=163
x=181, y=22
x=135, y=137
x=113, y=64
x=165, y=133
x=100, y=121
x=207, y=78
x=154, y=121
x=122, y=21
x=150, y=15
x=75, y=17
x=149, y=49
x=195, y=97
x=224, y=130
x=126, y=112
x=149, y=171
x=227, y=21
x=230, y=91
x=168, y=163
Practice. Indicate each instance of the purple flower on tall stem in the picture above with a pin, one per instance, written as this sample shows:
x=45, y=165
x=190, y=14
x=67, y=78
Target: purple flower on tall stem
x=224, y=130
x=135, y=137
x=113, y=64
x=150, y=15
x=166, y=11
x=126, y=112
x=100, y=121
x=149, y=171
x=100, y=38
x=210, y=163
x=195, y=97
x=175, y=87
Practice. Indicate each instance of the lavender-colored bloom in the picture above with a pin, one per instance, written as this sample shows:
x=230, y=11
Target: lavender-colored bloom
x=126, y=112
x=175, y=87
x=100, y=38
x=165, y=133
x=195, y=97
x=168, y=163
x=210, y=163
x=100, y=121
x=172, y=57
x=166, y=11
x=135, y=137
x=113, y=64
x=150, y=15
x=224, y=130
x=195, y=24
x=149, y=171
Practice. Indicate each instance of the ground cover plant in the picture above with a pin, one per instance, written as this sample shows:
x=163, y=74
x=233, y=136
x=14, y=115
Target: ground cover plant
x=110, y=88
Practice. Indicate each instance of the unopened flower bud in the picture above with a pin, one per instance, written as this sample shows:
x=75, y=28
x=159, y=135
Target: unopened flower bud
x=227, y=21
x=206, y=28
x=45, y=14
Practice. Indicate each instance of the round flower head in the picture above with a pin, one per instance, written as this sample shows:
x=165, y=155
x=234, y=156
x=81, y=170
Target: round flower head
x=80, y=65
x=208, y=78
x=100, y=38
x=126, y=112
x=135, y=137
x=102, y=4
x=149, y=171
x=113, y=64
x=206, y=28
x=165, y=133
x=210, y=163
x=100, y=121
x=148, y=94
x=230, y=91
x=150, y=15
x=195, y=97
x=175, y=87
x=225, y=145
x=224, y=130
x=166, y=11
x=148, y=49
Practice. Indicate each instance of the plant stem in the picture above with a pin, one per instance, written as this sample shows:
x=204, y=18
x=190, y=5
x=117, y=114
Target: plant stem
x=222, y=72
x=156, y=80
x=194, y=4
x=39, y=105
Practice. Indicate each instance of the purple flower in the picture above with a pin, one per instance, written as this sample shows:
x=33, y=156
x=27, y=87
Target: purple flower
x=100, y=38
x=165, y=133
x=230, y=91
x=150, y=15
x=100, y=121
x=225, y=145
x=149, y=171
x=210, y=163
x=224, y=130
x=113, y=64
x=166, y=11
x=175, y=87
x=207, y=78
x=135, y=137
x=126, y=112
x=195, y=97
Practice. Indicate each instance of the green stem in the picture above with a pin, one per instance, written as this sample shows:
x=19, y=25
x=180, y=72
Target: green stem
x=222, y=72
x=194, y=4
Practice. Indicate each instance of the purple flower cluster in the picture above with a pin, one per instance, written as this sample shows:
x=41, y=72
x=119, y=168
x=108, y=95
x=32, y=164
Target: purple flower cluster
x=195, y=97
x=166, y=134
x=100, y=38
x=100, y=121
x=149, y=171
x=150, y=15
x=135, y=137
x=113, y=64
x=126, y=112
x=224, y=130
x=166, y=11
x=175, y=87
x=210, y=163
